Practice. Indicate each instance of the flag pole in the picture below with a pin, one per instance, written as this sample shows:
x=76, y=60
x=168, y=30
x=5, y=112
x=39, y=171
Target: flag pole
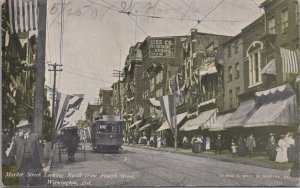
x=175, y=122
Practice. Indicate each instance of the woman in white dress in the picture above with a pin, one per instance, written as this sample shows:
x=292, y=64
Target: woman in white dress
x=282, y=150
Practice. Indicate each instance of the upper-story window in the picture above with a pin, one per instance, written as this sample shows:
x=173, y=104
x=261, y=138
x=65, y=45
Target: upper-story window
x=230, y=98
x=229, y=51
x=271, y=25
x=230, y=73
x=297, y=13
x=236, y=46
x=254, y=55
x=237, y=92
x=237, y=71
x=284, y=20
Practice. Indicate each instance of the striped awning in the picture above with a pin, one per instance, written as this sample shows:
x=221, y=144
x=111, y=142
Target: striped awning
x=219, y=125
x=135, y=124
x=166, y=125
x=204, y=119
x=241, y=115
x=275, y=107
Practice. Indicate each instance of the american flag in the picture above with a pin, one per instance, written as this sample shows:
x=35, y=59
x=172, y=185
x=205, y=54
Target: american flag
x=290, y=61
x=22, y=15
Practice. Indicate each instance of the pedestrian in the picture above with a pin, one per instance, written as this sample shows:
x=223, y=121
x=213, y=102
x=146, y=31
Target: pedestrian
x=281, y=156
x=194, y=144
x=241, y=150
x=199, y=142
x=71, y=140
x=203, y=144
x=185, y=142
x=159, y=141
x=295, y=170
x=291, y=146
x=250, y=144
x=218, y=145
x=233, y=149
x=27, y=149
x=271, y=147
x=207, y=143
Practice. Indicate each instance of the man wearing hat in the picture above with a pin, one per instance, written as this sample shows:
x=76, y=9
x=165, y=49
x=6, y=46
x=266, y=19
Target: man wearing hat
x=250, y=144
x=271, y=147
x=28, y=153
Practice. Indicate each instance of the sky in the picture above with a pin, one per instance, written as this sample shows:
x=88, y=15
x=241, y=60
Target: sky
x=91, y=38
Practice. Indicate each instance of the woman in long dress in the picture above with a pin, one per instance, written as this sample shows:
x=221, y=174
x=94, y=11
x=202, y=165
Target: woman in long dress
x=282, y=150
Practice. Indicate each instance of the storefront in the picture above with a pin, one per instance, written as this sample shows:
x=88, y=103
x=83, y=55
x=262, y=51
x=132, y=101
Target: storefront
x=276, y=112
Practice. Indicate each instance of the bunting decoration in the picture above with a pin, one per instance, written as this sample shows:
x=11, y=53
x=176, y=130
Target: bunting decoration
x=168, y=106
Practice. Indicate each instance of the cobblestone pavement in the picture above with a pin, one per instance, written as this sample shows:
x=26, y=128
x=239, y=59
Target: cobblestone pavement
x=142, y=167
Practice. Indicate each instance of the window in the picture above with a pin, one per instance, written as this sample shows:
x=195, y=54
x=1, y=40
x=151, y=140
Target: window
x=237, y=71
x=237, y=92
x=254, y=55
x=297, y=13
x=229, y=73
x=284, y=20
x=271, y=25
x=229, y=51
x=236, y=46
x=230, y=98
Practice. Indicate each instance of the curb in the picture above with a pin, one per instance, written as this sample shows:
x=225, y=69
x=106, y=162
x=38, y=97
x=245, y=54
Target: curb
x=253, y=163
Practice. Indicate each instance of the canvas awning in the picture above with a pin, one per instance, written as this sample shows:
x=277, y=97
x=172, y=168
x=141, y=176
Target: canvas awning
x=270, y=68
x=213, y=101
x=219, y=125
x=135, y=124
x=275, y=107
x=166, y=125
x=241, y=115
x=144, y=127
x=204, y=119
x=208, y=69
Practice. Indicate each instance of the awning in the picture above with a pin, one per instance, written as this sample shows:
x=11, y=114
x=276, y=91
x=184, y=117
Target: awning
x=219, y=125
x=241, y=115
x=155, y=103
x=207, y=102
x=276, y=106
x=204, y=119
x=135, y=124
x=166, y=125
x=270, y=68
x=144, y=127
x=208, y=69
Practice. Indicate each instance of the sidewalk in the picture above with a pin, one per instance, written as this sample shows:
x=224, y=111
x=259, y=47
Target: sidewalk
x=226, y=156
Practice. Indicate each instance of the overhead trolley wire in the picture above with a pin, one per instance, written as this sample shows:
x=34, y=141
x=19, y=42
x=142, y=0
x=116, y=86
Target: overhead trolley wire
x=209, y=13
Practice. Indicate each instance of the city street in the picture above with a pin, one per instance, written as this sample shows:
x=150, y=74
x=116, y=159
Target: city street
x=143, y=167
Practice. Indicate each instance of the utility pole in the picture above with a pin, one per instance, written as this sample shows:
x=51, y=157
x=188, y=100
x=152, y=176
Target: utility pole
x=54, y=69
x=119, y=74
x=40, y=76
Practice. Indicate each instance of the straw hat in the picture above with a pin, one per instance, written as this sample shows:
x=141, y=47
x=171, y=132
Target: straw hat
x=23, y=123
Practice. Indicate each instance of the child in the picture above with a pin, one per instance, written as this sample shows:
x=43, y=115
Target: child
x=233, y=149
